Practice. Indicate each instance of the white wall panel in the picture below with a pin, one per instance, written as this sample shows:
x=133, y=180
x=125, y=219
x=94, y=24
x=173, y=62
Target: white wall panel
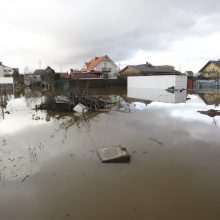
x=159, y=95
x=160, y=82
x=6, y=80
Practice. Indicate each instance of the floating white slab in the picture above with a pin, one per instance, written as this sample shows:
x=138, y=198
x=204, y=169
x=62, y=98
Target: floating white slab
x=114, y=154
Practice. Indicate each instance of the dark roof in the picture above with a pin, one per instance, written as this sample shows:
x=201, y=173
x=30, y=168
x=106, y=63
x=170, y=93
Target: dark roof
x=217, y=63
x=39, y=72
x=148, y=68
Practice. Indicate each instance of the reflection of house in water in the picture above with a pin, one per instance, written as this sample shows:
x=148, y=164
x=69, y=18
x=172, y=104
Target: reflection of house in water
x=6, y=93
x=210, y=98
x=158, y=95
x=7, y=89
x=67, y=120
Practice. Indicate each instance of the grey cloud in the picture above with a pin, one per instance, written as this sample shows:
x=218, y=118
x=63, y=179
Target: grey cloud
x=82, y=29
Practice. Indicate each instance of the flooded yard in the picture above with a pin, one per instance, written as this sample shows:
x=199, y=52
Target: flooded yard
x=49, y=168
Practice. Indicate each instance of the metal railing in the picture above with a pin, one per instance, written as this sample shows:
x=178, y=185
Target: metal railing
x=106, y=69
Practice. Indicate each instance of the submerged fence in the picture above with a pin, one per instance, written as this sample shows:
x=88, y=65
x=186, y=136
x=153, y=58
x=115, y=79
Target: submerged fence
x=207, y=84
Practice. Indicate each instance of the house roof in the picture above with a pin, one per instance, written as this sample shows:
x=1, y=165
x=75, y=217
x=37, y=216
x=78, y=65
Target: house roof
x=217, y=63
x=93, y=63
x=39, y=72
x=149, y=68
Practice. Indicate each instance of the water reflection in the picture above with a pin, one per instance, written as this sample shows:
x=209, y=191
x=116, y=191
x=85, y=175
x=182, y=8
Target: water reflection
x=210, y=98
x=159, y=95
x=22, y=118
x=15, y=164
x=175, y=154
x=67, y=120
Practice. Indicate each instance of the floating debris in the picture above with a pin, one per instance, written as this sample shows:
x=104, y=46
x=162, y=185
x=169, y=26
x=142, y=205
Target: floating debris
x=61, y=99
x=27, y=176
x=114, y=154
x=37, y=118
x=211, y=112
x=80, y=108
x=47, y=118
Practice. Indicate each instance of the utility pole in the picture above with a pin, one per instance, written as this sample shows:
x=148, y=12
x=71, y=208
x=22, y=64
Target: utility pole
x=40, y=64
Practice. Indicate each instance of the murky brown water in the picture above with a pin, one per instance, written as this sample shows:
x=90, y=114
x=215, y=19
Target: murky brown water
x=50, y=169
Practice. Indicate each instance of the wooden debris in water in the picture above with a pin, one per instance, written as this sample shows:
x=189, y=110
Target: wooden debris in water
x=27, y=176
x=211, y=112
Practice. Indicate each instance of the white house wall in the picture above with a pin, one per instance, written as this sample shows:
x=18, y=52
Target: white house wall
x=159, y=82
x=114, y=68
x=1, y=71
x=6, y=80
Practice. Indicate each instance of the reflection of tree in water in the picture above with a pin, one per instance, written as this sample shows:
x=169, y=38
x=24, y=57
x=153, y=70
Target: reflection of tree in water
x=3, y=100
x=19, y=164
x=81, y=121
x=32, y=97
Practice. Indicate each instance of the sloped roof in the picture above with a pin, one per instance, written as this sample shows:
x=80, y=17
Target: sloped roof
x=93, y=63
x=148, y=68
x=39, y=72
x=217, y=63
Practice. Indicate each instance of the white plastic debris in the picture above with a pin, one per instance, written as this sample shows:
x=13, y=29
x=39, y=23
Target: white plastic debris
x=80, y=108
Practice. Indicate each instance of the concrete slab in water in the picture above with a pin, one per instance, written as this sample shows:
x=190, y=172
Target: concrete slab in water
x=114, y=154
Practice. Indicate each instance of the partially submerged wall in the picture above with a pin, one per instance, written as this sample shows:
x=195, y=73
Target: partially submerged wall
x=1, y=71
x=6, y=80
x=159, y=95
x=159, y=82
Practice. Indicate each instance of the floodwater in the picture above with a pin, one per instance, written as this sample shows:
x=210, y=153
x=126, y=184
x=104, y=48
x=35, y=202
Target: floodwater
x=49, y=168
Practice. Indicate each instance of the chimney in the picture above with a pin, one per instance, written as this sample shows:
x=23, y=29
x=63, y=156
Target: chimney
x=148, y=64
x=0, y=63
x=96, y=58
x=71, y=70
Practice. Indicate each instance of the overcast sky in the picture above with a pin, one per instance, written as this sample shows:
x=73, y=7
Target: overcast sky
x=66, y=33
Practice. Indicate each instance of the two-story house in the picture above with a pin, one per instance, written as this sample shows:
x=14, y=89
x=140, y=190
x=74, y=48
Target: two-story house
x=211, y=70
x=1, y=70
x=147, y=69
x=102, y=64
x=5, y=70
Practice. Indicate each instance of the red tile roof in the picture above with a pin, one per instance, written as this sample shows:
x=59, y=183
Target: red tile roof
x=93, y=63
